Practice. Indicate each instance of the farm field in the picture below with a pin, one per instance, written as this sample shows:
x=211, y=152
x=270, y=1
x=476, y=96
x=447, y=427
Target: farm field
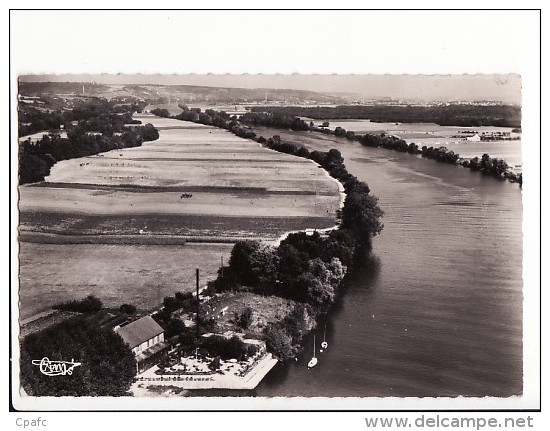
x=127, y=224
x=193, y=179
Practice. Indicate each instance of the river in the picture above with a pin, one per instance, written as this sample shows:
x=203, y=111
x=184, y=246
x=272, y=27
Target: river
x=438, y=309
x=452, y=137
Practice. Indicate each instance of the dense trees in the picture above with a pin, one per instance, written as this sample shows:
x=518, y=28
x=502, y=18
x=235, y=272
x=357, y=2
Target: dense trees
x=92, y=126
x=493, y=166
x=161, y=112
x=286, y=271
x=174, y=326
x=279, y=341
x=188, y=115
x=274, y=120
x=361, y=215
x=148, y=133
x=305, y=268
x=389, y=142
x=295, y=272
x=232, y=348
x=444, y=115
x=127, y=309
x=32, y=120
x=240, y=262
x=107, y=364
x=283, y=338
x=441, y=154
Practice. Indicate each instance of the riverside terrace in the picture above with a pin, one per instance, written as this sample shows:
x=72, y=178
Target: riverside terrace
x=200, y=371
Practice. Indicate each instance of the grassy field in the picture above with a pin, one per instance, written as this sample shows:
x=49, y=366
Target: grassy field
x=231, y=202
x=114, y=224
x=141, y=275
x=194, y=180
x=168, y=225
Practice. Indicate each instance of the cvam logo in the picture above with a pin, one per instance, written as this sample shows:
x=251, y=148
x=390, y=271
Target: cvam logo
x=56, y=368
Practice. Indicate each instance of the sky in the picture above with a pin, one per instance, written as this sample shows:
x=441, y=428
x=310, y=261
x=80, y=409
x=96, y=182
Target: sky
x=503, y=88
x=492, y=55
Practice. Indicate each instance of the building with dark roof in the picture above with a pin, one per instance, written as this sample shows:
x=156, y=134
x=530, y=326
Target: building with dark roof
x=141, y=334
x=146, y=339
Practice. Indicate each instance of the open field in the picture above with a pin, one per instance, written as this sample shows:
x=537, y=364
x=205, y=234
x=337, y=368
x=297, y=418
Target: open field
x=253, y=202
x=140, y=228
x=195, y=180
x=136, y=274
x=123, y=225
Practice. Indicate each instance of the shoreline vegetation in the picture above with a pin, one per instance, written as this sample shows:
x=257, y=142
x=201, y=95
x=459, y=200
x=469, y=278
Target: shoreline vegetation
x=278, y=118
x=305, y=272
x=485, y=164
x=307, y=268
x=465, y=115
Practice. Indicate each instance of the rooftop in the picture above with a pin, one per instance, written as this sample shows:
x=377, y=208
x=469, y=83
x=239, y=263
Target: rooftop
x=140, y=331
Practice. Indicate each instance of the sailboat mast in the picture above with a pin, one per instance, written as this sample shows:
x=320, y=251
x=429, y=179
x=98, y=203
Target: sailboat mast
x=314, y=345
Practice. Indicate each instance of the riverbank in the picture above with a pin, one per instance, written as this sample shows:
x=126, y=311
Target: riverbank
x=495, y=167
x=322, y=231
x=306, y=267
x=434, y=314
x=98, y=226
x=139, y=220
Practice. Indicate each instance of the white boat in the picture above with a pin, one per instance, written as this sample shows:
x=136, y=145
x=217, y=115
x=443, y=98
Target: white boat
x=313, y=361
x=324, y=344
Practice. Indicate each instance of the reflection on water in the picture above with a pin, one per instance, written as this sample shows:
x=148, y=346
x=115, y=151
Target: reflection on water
x=439, y=311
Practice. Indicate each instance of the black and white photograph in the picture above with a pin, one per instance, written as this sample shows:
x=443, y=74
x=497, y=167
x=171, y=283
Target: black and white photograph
x=188, y=235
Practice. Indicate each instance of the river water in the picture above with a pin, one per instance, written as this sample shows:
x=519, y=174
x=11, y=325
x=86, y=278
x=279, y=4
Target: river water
x=437, y=311
x=452, y=137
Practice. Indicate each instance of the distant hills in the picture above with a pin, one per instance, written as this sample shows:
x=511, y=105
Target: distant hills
x=496, y=88
x=158, y=93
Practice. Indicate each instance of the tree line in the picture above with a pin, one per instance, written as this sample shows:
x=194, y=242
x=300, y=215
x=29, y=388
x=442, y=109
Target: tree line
x=92, y=127
x=94, y=114
x=495, y=167
x=308, y=269
x=444, y=115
